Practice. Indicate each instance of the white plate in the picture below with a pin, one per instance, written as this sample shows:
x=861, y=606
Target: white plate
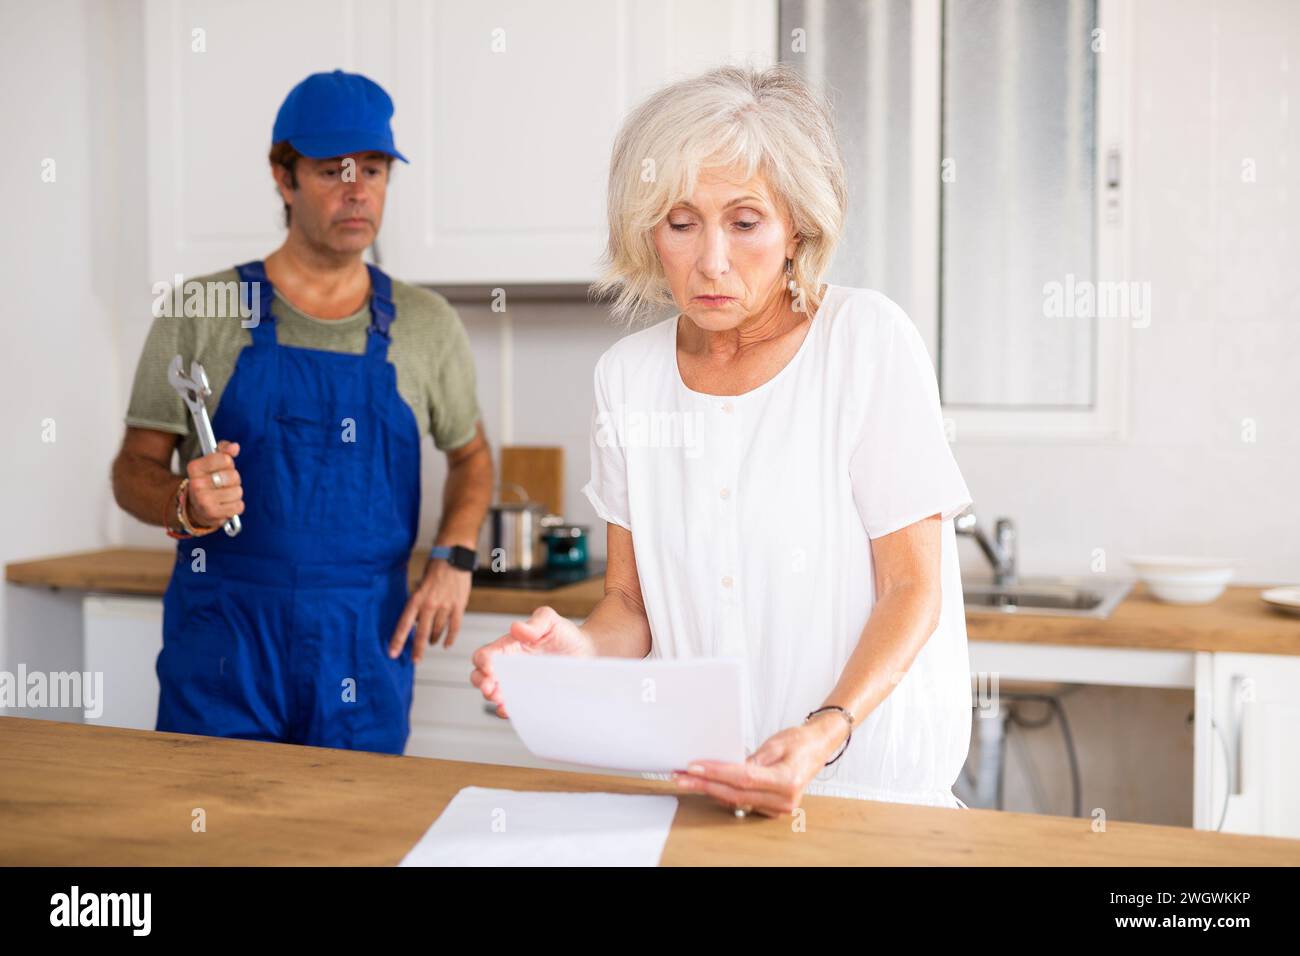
x=1284, y=599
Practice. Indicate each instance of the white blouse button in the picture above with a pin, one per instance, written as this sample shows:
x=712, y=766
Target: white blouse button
x=726, y=581
x=724, y=494
x=726, y=407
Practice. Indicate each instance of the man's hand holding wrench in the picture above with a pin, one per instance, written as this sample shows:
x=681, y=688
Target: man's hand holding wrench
x=216, y=494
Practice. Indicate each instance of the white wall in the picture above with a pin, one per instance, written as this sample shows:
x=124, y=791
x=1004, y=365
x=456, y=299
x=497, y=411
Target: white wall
x=69, y=253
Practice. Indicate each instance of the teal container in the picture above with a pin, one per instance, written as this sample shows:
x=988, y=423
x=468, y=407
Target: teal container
x=566, y=546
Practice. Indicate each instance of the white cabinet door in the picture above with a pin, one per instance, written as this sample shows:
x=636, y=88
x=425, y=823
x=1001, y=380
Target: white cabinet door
x=508, y=113
x=449, y=717
x=1254, y=755
x=507, y=110
x=123, y=637
x=216, y=75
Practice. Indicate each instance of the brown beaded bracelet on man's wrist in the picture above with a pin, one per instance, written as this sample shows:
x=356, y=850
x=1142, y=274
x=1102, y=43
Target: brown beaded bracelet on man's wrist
x=181, y=515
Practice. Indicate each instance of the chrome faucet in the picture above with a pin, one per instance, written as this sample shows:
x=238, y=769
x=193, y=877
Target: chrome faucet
x=1001, y=551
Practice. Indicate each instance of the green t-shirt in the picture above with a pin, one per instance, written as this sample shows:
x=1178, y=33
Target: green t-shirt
x=429, y=349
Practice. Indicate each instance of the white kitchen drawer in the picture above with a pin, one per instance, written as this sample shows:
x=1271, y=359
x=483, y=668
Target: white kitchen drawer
x=475, y=631
x=440, y=668
x=451, y=722
x=451, y=665
x=454, y=705
x=459, y=743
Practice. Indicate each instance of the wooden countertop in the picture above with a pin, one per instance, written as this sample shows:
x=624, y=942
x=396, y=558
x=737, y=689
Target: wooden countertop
x=1238, y=621
x=84, y=795
x=146, y=571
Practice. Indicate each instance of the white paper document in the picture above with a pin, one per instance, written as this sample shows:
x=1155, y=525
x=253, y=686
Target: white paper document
x=488, y=827
x=647, y=715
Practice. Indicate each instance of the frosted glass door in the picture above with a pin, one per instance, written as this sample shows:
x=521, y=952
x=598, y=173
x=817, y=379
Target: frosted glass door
x=1017, y=198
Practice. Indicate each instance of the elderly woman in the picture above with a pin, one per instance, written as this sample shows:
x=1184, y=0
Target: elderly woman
x=793, y=507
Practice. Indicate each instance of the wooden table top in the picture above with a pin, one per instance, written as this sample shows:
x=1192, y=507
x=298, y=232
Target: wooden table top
x=1238, y=621
x=85, y=795
x=146, y=571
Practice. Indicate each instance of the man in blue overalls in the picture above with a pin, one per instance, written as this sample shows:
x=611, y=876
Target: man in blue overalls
x=299, y=628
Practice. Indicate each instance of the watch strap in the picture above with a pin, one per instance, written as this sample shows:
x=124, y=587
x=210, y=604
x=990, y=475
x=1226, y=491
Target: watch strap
x=458, y=556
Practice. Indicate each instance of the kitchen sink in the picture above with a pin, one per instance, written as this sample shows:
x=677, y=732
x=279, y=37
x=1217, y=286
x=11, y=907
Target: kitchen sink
x=1057, y=597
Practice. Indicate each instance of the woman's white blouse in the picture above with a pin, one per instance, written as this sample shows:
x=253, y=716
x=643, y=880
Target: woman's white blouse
x=751, y=518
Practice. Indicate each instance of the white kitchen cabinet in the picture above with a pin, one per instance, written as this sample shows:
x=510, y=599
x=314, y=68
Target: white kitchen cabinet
x=1254, y=760
x=216, y=73
x=450, y=719
x=448, y=716
x=508, y=113
x=122, y=637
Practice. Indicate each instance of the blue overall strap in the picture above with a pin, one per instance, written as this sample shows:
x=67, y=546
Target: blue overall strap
x=252, y=277
x=382, y=310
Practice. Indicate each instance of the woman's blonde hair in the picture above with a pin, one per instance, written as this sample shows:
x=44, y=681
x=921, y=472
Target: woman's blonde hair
x=767, y=121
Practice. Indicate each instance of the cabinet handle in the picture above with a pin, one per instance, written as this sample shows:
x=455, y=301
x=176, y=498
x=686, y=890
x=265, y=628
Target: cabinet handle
x=1238, y=717
x=1112, y=184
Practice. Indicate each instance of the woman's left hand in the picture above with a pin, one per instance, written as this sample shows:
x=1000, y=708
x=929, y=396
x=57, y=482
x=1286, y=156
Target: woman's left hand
x=772, y=780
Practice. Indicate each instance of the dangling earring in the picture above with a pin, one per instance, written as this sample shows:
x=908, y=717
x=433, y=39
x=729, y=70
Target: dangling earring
x=789, y=277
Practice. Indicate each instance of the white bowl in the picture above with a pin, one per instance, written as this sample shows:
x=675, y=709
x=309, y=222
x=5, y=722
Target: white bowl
x=1184, y=580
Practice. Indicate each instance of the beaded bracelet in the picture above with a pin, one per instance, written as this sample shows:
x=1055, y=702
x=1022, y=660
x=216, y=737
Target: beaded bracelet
x=183, y=519
x=847, y=716
x=170, y=513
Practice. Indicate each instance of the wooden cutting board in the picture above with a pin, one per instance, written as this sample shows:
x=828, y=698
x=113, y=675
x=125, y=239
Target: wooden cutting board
x=539, y=470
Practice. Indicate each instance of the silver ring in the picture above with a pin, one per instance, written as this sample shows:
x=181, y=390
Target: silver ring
x=743, y=811
x=216, y=479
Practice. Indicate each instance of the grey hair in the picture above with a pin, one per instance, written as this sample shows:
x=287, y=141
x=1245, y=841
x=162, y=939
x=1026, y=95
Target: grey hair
x=770, y=122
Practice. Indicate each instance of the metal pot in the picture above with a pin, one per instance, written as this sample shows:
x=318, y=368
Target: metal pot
x=511, y=539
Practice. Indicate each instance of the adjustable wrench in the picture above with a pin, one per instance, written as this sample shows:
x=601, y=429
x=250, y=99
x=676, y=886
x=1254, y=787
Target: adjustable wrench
x=194, y=389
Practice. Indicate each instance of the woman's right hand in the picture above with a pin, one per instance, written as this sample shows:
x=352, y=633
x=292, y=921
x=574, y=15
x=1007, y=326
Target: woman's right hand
x=545, y=632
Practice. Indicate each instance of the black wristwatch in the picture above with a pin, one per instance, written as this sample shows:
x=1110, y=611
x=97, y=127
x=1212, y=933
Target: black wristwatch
x=458, y=556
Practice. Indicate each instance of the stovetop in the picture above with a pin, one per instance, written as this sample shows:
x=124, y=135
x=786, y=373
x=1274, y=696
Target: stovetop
x=541, y=579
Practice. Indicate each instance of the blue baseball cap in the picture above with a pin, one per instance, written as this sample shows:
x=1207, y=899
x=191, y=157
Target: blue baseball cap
x=333, y=114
